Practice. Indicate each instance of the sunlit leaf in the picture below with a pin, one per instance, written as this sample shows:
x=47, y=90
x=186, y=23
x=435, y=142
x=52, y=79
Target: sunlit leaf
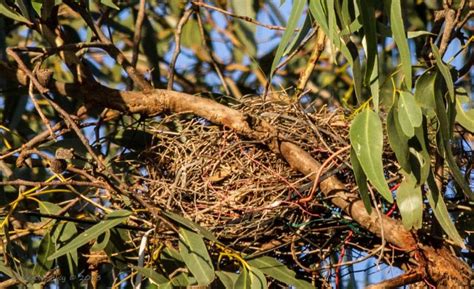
x=110, y=3
x=366, y=136
x=195, y=255
x=424, y=92
x=444, y=69
x=295, y=15
x=397, y=139
x=410, y=203
x=399, y=35
x=409, y=113
x=464, y=117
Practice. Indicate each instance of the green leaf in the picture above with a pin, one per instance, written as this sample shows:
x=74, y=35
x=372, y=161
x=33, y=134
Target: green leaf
x=151, y=274
x=243, y=282
x=113, y=219
x=367, y=13
x=45, y=249
x=257, y=279
x=440, y=211
x=366, y=136
x=110, y=4
x=410, y=202
x=399, y=35
x=446, y=119
x=397, y=139
x=8, y=12
x=361, y=180
x=273, y=268
x=409, y=113
x=175, y=218
x=245, y=30
x=464, y=117
x=295, y=15
x=424, y=92
x=228, y=279
x=444, y=69
x=195, y=256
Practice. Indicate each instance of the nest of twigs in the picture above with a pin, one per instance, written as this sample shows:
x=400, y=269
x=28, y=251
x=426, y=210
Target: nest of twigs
x=237, y=187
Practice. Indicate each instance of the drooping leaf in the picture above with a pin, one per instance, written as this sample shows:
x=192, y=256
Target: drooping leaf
x=295, y=15
x=440, y=211
x=410, y=202
x=367, y=13
x=400, y=37
x=273, y=268
x=45, y=249
x=366, y=136
x=424, y=92
x=464, y=117
x=244, y=30
x=113, y=219
x=398, y=141
x=195, y=255
x=419, y=150
x=409, y=113
x=445, y=115
x=444, y=69
x=361, y=180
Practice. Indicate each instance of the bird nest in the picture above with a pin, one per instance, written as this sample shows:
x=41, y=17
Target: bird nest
x=237, y=187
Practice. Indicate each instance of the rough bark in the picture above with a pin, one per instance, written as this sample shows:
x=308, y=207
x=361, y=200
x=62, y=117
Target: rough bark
x=437, y=264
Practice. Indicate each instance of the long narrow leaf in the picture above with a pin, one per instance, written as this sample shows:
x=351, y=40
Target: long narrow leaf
x=113, y=219
x=195, y=256
x=366, y=136
x=400, y=37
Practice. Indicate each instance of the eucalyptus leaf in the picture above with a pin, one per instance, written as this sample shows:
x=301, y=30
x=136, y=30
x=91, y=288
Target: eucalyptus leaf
x=410, y=202
x=195, y=255
x=465, y=117
x=257, y=279
x=366, y=135
x=228, y=279
x=243, y=282
x=400, y=37
x=113, y=219
x=361, y=180
x=440, y=211
x=295, y=15
x=397, y=139
x=273, y=268
x=444, y=69
x=409, y=113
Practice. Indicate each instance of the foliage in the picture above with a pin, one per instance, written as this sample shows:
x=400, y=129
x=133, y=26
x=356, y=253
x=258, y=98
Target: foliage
x=106, y=181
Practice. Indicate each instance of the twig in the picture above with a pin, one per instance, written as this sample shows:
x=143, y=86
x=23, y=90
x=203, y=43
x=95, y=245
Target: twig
x=402, y=280
x=245, y=18
x=320, y=171
x=313, y=59
x=138, y=32
x=177, y=47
